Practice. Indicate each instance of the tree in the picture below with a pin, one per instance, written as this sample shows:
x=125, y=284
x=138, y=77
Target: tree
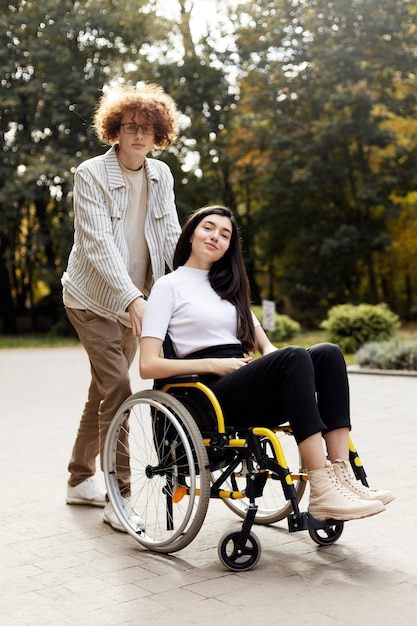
x=321, y=78
x=298, y=115
x=54, y=60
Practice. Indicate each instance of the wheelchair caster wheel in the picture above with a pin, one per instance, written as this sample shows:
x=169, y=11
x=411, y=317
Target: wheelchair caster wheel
x=327, y=536
x=239, y=559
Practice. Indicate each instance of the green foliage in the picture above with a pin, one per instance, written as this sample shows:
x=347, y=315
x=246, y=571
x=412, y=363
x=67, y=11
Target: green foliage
x=285, y=327
x=352, y=326
x=328, y=109
x=388, y=355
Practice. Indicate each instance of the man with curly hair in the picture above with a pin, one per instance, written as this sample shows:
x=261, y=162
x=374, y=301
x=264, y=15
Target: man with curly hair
x=125, y=232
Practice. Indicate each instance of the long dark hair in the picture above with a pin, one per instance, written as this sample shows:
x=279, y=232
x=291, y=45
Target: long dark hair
x=228, y=275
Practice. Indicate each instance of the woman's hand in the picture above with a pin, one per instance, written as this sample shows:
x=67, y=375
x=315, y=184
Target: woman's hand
x=226, y=366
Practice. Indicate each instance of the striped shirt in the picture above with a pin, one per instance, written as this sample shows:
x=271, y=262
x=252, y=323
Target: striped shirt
x=97, y=275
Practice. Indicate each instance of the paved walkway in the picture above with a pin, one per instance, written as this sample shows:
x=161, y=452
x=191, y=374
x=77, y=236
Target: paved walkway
x=60, y=565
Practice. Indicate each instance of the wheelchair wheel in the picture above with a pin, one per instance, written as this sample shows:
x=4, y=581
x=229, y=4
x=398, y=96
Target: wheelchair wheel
x=272, y=505
x=239, y=559
x=155, y=456
x=327, y=536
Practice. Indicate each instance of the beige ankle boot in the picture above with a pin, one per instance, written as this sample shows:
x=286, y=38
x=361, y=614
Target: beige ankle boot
x=345, y=475
x=329, y=499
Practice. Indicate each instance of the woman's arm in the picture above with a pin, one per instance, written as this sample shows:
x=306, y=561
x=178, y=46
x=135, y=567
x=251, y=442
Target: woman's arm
x=153, y=365
x=263, y=345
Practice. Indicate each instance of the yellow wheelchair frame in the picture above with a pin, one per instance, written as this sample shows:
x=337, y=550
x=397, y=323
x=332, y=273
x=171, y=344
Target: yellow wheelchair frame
x=168, y=451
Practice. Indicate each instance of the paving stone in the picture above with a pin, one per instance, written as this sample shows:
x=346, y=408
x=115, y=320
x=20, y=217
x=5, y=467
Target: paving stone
x=61, y=566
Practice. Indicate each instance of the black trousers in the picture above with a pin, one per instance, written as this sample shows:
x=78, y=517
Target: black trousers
x=307, y=387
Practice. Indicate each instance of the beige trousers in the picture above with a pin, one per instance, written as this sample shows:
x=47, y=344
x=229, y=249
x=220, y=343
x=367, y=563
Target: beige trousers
x=111, y=348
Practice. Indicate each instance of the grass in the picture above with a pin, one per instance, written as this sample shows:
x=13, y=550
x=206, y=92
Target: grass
x=36, y=341
x=309, y=337
x=305, y=339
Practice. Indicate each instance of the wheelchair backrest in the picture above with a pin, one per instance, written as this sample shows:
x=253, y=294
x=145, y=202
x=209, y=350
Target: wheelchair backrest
x=196, y=397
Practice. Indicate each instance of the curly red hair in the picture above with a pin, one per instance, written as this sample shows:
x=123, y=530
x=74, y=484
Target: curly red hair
x=149, y=100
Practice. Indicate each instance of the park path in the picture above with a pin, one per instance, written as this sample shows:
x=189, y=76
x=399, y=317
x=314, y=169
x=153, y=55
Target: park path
x=60, y=565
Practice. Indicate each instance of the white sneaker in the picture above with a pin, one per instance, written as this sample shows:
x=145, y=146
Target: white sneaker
x=110, y=517
x=87, y=492
x=344, y=473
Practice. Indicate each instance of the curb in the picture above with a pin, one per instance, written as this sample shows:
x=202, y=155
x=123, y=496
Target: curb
x=356, y=369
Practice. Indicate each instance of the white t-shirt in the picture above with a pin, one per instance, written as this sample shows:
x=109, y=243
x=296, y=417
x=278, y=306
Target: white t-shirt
x=185, y=305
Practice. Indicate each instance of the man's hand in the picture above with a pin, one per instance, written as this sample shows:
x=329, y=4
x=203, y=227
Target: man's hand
x=136, y=309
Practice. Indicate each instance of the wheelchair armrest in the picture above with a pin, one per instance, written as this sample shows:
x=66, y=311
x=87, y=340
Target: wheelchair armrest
x=184, y=378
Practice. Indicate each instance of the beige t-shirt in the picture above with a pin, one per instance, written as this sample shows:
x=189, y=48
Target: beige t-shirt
x=139, y=259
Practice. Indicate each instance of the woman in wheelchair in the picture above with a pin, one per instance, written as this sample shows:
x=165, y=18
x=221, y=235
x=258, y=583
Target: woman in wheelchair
x=204, y=306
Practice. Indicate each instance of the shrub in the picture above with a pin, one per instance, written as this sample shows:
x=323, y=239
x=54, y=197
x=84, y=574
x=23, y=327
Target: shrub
x=285, y=327
x=352, y=326
x=388, y=355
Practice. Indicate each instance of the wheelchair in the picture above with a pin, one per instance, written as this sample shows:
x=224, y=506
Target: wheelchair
x=168, y=451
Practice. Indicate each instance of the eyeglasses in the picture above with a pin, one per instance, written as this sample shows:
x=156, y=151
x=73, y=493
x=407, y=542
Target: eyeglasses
x=131, y=128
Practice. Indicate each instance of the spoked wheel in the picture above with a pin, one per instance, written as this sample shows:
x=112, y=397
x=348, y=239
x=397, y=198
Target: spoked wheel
x=155, y=467
x=272, y=505
x=239, y=558
x=327, y=536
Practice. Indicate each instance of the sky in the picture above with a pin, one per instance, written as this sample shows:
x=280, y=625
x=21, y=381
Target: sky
x=204, y=16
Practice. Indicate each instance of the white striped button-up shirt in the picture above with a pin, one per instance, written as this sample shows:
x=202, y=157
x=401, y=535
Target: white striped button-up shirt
x=97, y=274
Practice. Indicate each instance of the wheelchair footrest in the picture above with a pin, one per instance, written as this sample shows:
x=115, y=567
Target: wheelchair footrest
x=305, y=521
